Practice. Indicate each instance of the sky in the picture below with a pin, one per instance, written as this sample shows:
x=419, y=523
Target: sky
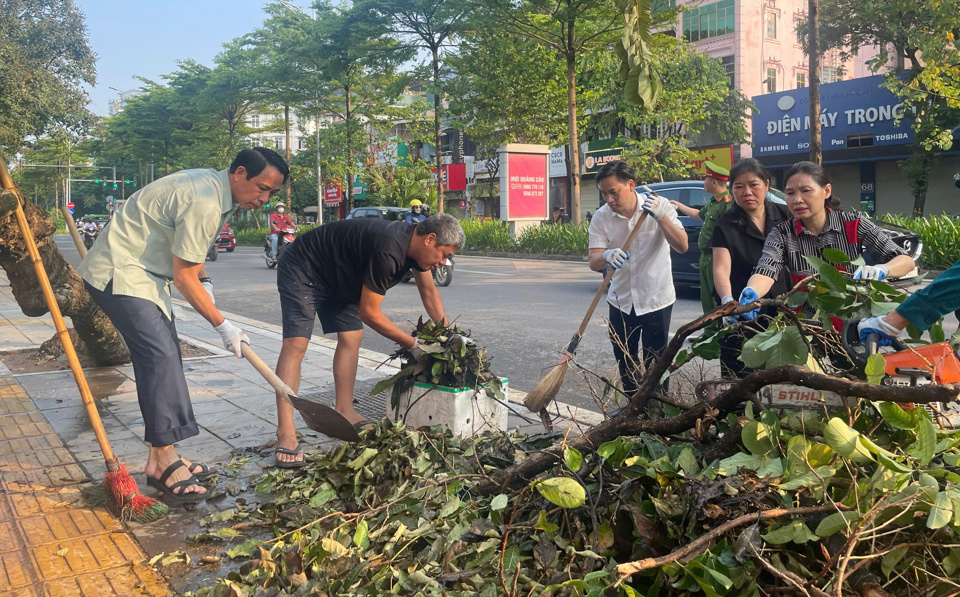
x=146, y=38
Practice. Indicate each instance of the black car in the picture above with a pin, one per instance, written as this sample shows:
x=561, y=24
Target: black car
x=686, y=266
x=385, y=213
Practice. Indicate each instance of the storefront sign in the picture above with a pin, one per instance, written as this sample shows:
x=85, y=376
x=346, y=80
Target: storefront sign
x=332, y=196
x=454, y=177
x=558, y=162
x=721, y=156
x=524, y=194
x=854, y=114
x=593, y=160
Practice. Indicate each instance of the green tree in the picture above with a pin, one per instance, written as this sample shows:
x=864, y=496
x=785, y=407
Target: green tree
x=428, y=25
x=45, y=62
x=918, y=39
x=695, y=96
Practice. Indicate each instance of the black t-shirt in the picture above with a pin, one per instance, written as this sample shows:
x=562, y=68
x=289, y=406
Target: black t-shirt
x=737, y=233
x=345, y=256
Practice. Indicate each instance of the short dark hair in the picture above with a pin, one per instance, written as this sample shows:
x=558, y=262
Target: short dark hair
x=749, y=166
x=447, y=228
x=254, y=160
x=819, y=176
x=618, y=168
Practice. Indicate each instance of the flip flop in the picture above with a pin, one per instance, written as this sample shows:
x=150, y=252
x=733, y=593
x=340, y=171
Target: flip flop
x=292, y=452
x=204, y=473
x=169, y=493
x=362, y=423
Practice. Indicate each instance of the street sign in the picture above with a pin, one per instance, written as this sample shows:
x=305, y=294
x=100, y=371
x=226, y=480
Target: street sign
x=70, y=205
x=71, y=209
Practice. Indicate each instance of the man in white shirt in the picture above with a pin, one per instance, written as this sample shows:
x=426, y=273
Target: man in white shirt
x=641, y=293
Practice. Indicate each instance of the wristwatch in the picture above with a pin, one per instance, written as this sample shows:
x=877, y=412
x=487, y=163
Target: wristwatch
x=206, y=279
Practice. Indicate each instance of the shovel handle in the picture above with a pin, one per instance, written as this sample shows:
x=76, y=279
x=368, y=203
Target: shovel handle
x=267, y=373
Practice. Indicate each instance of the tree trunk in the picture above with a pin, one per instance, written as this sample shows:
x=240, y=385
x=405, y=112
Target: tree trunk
x=436, y=127
x=816, y=149
x=102, y=340
x=574, y=173
x=349, y=154
x=286, y=124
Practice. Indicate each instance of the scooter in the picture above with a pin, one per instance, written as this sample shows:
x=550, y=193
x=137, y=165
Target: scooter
x=287, y=236
x=89, y=236
x=442, y=274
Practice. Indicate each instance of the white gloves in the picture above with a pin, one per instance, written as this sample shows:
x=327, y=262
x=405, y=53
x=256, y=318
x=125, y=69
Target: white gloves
x=728, y=320
x=654, y=205
x=233, y=337
x=871, y=272
x=878, y=326
x=615, y=257
x=463, y=339
x=208, y=286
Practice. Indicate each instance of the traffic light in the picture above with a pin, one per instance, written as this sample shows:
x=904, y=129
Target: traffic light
x=96, y=180
x=128, y=182
x=114, y=185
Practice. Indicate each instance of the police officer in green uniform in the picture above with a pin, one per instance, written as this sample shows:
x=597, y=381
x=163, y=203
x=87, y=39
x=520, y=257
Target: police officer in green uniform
x=715, y=183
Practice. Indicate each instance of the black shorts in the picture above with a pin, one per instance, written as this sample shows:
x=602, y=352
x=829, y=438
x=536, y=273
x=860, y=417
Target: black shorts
x=302, y=299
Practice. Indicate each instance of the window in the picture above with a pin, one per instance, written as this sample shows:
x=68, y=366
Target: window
x=708, y=21
x=860, y=140
x=771, y=25
x=727, y=63
x=771, y=81
x=830, y=74
x=300, y=143
x=255, y=121
x=279, y=143
x=801, y=79
x=796, y=27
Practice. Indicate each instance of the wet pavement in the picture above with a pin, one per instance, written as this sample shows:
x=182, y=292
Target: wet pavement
x=48, y=451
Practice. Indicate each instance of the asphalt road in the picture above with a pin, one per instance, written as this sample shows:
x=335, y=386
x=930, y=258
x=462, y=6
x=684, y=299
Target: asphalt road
x=522, y=311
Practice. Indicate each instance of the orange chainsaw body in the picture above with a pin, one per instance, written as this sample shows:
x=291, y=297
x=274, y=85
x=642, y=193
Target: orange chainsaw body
x=937, y=359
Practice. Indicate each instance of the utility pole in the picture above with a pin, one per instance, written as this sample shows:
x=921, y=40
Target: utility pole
x=813, y=45
x=319, y=179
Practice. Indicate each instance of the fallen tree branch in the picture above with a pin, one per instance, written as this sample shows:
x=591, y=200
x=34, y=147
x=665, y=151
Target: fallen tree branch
x=703, y=542
x=628, y=422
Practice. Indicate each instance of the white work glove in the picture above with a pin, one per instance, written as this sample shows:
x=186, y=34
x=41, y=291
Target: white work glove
x=871, y=272
x=728, y=320
x=233, y=337
x=208, y=286
x=878, y=326
x=616, y=257
x=654, y=205
x=463, y=339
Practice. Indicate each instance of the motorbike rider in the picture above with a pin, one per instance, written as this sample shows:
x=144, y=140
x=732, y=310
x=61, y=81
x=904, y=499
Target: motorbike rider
x=90, y=228
x=416, y=214
x=279, y=222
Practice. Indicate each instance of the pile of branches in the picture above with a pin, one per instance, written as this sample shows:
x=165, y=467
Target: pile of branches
x=725, y=498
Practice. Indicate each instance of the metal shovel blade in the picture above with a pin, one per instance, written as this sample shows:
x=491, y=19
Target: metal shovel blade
x=324, y=419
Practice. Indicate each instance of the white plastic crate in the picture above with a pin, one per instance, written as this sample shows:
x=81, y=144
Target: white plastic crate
x=465, y=411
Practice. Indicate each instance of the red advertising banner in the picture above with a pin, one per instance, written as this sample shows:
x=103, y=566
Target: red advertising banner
x=527, y=194
x=454, y=177
x=332, y=196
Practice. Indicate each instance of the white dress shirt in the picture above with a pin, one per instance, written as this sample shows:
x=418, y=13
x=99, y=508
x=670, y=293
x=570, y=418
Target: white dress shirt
x=645, y=282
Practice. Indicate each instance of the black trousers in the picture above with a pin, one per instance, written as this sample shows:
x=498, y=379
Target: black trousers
x=627, y=330
x=157, y=366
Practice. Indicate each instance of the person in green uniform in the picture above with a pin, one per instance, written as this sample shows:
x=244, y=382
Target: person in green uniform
x=922, y=309
x=715, y=183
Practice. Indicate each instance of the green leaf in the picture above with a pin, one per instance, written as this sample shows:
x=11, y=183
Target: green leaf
x=333, y=546
x=572, y=458
x=844, y=441
x=562, y=491
x=383, y=384
x=757, y=437
x=838, y=521
x=807, y=479
x=829, y=275
x=361, y=460
x=360, y=535
x=797, y=532
x=499, y=502
x=942, y=511
x=889, y=562
x=543, y=524
x=641, y=83
x=687, y=462
x=836, y=256
x=936, y=333
x=245, y=549
x=875, y=369
x=753, y=352
x=895, y=416
x=925, y=446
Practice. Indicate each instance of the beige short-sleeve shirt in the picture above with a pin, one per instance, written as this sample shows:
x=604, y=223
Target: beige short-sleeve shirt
x=179, y=214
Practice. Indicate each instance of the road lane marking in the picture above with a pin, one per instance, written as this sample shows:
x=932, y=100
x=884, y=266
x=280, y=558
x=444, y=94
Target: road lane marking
x=470, y=271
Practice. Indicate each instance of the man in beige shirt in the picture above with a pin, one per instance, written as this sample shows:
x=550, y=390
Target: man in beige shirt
x=160, y=236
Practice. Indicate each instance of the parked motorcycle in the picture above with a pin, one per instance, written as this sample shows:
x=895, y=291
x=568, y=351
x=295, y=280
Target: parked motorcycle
x=288, y=236
x=442, y=275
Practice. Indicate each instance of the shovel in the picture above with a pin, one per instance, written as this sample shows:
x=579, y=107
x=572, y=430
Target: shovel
x=318, y=417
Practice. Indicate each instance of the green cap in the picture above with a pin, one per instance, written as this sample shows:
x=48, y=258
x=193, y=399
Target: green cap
x=716, y=171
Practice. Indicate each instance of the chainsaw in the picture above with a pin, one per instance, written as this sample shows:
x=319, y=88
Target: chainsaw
x=905, y=366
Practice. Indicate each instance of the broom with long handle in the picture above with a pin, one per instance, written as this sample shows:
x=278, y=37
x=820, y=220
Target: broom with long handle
x=547, y=388
x=127, y=498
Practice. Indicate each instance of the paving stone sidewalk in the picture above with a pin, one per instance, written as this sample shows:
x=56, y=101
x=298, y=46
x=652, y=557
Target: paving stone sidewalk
x=48, y=449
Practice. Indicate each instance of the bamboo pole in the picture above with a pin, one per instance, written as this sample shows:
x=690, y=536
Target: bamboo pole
x=72, y=227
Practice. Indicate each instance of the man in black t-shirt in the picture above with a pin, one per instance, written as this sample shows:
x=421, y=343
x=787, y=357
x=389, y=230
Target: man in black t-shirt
x=341, y=272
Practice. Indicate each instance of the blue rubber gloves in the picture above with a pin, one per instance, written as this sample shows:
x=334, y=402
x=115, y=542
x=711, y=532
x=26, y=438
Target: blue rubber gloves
x=748, y=296
x=876, y=325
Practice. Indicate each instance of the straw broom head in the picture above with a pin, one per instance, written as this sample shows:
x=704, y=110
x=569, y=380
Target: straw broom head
x=547, y=388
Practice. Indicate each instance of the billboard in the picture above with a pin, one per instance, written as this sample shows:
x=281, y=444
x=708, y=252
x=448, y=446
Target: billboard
x=721, y=156
x=523, y=186
x=855, y=113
